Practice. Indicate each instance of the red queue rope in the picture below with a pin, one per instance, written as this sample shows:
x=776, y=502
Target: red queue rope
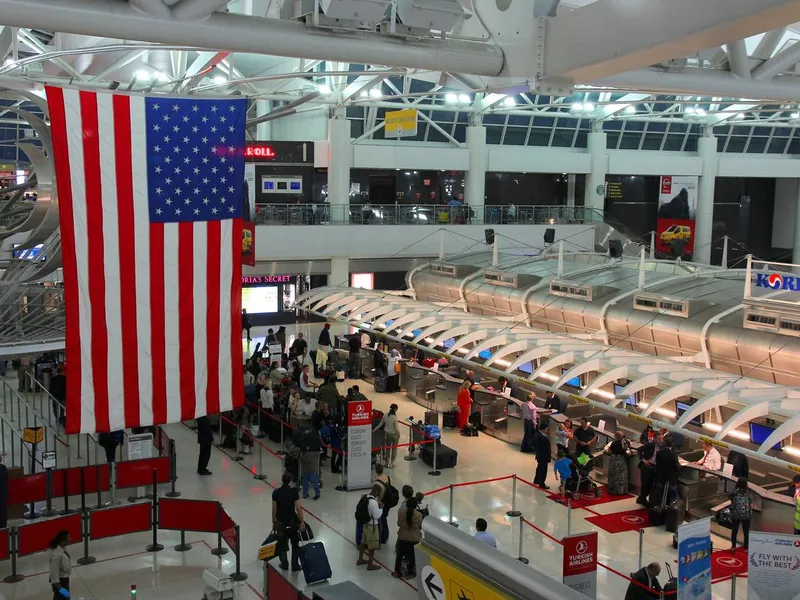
x=261, y=409
x=543, y=532
x=404, y=445
x=483, y=481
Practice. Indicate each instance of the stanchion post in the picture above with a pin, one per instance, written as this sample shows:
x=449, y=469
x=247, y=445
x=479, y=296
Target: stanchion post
x=183, y=546
x=260, y=472
x=48, y=510
x=261, y=435
x=86, y=559
x=238, y=575
x=521, y=558
x=342, y=487
x=281, y=452
x=66, y=510
x=452, y=521
x=569, y=516
x=641, y=546
x=220, y=432
x=435, y=472
x=238, y=457
x=513, y=512
x=13, y=542
x=83, y=490
x=410, y=456
x=112, y=484
x=733, y=586
x=219, y=550
x=99, y=487
x=155, y=546
x=173, y=470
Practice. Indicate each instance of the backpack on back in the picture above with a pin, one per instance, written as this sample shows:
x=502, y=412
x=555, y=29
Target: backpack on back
x=362, y=511
x=391, y=497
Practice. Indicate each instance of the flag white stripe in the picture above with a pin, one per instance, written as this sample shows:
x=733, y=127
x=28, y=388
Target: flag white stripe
x=171, y=322
x=72, y=110
x=141, y=225
x=111, y=267
x=225, y=357
x=200, y=311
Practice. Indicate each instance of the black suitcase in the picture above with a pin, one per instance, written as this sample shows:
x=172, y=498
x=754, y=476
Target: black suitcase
x=380, y=384
x=449, y=419
x=469, y=431
x=657, y=513
x=431, y=417
x=446, y=458
x=673, y=516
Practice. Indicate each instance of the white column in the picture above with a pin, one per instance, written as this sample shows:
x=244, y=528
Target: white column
x=341, y=161
x=339, y=277
x=475, y=183
x=263, y=130
x=571, y=189
x=596, y=145
x=796, y=245
x=704, y=219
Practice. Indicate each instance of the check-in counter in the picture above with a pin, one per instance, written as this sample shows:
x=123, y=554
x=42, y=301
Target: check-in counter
x=501, y=416
x=430, y=388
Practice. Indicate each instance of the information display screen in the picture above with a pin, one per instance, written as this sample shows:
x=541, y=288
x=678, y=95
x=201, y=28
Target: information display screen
x=574, y=382
x=630, y=400
x=260, y=300
x=759, y=434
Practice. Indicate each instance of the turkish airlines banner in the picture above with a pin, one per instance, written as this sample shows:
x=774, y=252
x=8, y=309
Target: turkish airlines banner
x=359, y=445
x=580, y=563
x=773, y=569
x=677, y=209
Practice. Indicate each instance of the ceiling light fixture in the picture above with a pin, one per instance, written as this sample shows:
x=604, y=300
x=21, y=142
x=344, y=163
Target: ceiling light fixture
x=630, y=109
x=162, y=77
x=219, y=80
x=324, y=89
x=375, y=93
x=451, y=98
x=142, y=75
x=464, y=99
x=588, y=107
x=509, y=101
x=7, y=62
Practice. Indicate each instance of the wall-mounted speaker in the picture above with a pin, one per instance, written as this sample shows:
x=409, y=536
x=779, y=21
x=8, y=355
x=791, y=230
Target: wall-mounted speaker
x=615, y=248
x=489, y=233
x=549, y=235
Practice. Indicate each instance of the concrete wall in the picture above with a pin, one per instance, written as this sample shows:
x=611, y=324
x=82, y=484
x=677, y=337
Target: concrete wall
x=786, y=191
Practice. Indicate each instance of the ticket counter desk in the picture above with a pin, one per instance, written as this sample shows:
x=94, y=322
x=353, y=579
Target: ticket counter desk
x=431, y=389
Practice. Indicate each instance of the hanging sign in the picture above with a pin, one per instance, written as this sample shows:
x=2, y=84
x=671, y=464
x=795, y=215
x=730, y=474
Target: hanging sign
x=400, y=123
x=580, y=563
x=359, y=445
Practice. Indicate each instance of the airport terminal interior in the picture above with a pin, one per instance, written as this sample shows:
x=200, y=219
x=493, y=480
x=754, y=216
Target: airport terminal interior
x=399, y=299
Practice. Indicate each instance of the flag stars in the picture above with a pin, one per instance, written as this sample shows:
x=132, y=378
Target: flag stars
x=214, y=210
x=213, y=108
x=230, y=189
x=168, y=201
x=186, y=160
x=156, y=106
x=230, y=209
x=195, y=129
x=205, y=200
x=167, y=159
x=185, y=139
x=187, y=201
x=196, y=170
x=166, y=118
x=205, y=160
x=156, y=148
x=177, y=211
x=195, y=150
x=231, y=128
x=175, y=108
x=231, y=169
x=213, y=170
x=156, y=128
x=204, y=139
x=158, y=191
x=187, y=181
x=204, y=119
x=213, y=129
x=231, y=108
x=158, y=211
x=222, y=119
x=175, y=128
x=176, y=150
x=196, y=191
x=158, y=170
x=167, y=139
x=213, y=190
x=177, y=170
x=195, y=108
x=197, y=211
x=186, y=118
x=223, y=159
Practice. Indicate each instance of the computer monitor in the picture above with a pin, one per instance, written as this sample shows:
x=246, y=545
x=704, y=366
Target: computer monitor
x=630, y=400
x=574, y=382
x=682, y=407
x=759, y=434
x=526, y=368
x=486, y=354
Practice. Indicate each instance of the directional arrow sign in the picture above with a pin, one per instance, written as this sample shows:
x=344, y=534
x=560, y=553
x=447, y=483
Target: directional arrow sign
x=432, y=584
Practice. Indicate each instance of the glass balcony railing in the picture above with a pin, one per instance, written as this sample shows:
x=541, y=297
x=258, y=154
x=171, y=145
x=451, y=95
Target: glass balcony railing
x=421, y=214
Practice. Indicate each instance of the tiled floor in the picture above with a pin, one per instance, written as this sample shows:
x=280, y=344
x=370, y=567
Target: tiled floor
x=178, y=575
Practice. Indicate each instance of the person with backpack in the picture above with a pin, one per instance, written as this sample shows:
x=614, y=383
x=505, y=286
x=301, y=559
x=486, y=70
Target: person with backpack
x=368, y=516
x=389, y=425
x=389, y=497
x=741, y=512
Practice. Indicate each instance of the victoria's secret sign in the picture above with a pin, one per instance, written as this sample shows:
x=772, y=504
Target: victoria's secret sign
x=258, y=279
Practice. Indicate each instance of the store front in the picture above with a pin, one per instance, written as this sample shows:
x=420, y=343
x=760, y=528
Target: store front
x=270, y=299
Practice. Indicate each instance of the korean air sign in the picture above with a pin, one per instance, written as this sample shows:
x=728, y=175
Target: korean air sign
x=776, y=281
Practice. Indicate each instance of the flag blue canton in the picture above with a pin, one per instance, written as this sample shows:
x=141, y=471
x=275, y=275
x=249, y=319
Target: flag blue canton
x=195, y=159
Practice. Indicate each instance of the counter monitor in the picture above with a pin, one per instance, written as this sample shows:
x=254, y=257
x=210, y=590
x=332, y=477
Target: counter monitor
x=630, y=400
x=682, y=407
x=574, y=382
x=759, y=434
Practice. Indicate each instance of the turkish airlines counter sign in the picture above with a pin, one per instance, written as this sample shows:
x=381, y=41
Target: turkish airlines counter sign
x=580, y=563
x=359, y=445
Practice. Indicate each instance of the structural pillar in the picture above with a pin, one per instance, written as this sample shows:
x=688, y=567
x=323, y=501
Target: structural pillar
x=571, y=189
x=263, y=130
x=796, y=244
x=476, y=174
x=339, y=165
x=704, y=218
x=339, y=277
x=594, y=196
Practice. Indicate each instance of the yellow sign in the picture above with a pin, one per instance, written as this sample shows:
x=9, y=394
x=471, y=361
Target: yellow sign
x=456, y=583
x=32, y=435
x=579, y=399
x=714, y=442
x=400, y=123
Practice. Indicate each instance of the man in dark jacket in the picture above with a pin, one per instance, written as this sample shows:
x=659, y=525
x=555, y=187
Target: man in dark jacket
x=644, y=580
x=647, y=457
x=58, y=390
x=325, y=336
x=205, y=437
x=541, y=444
x=668, y=468
x=354, y=358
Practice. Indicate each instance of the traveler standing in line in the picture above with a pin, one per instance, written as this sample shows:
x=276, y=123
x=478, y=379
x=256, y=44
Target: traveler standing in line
x=109, y=441
x=585, y=439
x=299, y=348
x=482, y=535
x=409, y=534
x=619, y=450
x=741, y=512
x=60, y=565
x=667, y=469
x=564, y=435
x=324, y=340
x=307, y=387
x=309, y=467
x=647, y=466
x=380, y=363
x=287, y=520
x=354, y=357
x=58, y=390
x=280, y=337
x=370, y=539
x=464, y=401
x=383, y=481
x=246, y=323
x=528, y=423
x=205, y=437
x=543, y=452
x=391, y=428
x=393, y=379
x=271, y=339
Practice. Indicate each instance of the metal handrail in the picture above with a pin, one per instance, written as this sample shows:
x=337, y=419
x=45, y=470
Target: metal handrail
x=12, y=445
x=422, y=214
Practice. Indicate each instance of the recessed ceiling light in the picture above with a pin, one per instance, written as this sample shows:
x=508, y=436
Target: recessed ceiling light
x=464, y=99
x=219, y=80
x=509, y=101
x=142, y=75
x=451, y=98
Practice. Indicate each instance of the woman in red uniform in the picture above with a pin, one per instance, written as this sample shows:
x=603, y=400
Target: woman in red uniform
x=464, y=401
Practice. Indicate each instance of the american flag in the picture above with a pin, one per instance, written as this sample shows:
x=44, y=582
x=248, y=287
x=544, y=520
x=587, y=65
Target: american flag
x=150, y=202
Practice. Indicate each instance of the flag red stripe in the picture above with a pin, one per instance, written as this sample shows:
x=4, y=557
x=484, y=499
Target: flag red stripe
x=186, y=319
x=58, y=124
x=212, y=315
x=237, y=396
x=96, y=254
x=157, y=323
x=127, y=255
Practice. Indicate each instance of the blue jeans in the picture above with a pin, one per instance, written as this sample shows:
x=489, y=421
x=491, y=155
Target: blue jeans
x=313, y=479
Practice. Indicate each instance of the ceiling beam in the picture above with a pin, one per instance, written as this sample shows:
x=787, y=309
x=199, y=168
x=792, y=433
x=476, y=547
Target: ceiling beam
x=613, y=36
x=780, y=62
x=769, y=43
x=737, y=59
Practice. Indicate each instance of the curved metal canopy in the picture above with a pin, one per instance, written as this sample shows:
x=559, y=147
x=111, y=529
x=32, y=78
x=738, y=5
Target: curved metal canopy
x=464, y=337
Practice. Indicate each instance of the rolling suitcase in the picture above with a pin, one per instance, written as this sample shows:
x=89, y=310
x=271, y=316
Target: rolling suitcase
x=449, y=419
x=656, y=513
x=380, y=384
x=673, y=516
x=431, y=417
x=314, y=561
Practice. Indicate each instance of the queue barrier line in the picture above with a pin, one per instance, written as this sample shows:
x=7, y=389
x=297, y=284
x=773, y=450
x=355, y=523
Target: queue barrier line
x=251, y=436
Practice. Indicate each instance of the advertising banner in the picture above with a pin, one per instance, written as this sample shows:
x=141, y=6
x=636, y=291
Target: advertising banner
x=249, y=244
x=773, y=566
x=694, y=560
x=580, y=563
x=249, y=216
x=677, y=208
x=359, y=445
x=400, y=123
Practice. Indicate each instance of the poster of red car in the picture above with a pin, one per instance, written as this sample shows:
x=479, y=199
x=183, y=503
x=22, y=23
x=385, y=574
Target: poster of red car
x=677, y=207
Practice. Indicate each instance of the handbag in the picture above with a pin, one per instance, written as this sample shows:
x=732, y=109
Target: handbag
x=305, y=532
x=269, y=549
x=397, y=367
